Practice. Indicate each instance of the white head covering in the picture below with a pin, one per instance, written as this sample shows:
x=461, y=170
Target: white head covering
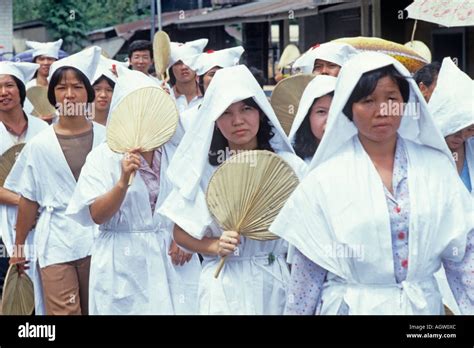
x=105, y=68
x=22, y=71
x=204, y=62
x=318, y=87
x=333, y=52
x=451, y=103
x=129, y=81
x=180, y=51
x=188, y=163
x=85, y=61
x=47, y=49
x=339, y=129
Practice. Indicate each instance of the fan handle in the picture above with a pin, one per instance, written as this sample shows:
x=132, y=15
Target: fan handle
x=219, y=268
x=130, y=180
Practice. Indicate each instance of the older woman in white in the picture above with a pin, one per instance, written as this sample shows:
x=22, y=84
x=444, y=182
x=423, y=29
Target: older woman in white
x=253, y=280
x=383, y=206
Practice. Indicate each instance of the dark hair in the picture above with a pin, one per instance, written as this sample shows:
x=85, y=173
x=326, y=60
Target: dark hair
x=427, y=73
x=58, y=76
x=219, y=143
x=368, y=83
x=258, y=75
x=106, y=79
x=306, y=143
x=140, y=45
x=21, y=88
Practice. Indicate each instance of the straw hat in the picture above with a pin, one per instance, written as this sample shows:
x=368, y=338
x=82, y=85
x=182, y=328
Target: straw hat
x=18, y=293
x=7, y=160
x=38, y=96
x=246, y=193
x=286, y=97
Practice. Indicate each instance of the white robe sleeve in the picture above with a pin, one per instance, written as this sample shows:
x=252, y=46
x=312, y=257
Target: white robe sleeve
x=29, y=185
x=94, y=181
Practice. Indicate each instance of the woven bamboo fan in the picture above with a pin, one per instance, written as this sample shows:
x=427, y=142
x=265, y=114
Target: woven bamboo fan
x=405, y=55
x=38, y=96
x=247, y=192
x=7, y=160
x=161, y=54
x=146, y=118
x=18, y=293
x=286, y=98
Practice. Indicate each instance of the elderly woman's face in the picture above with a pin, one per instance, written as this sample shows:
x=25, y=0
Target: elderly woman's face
x=378, y=116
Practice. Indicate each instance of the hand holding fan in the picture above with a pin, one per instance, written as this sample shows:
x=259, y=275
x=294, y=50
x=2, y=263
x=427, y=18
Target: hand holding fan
x=247, y=192
x=7, y=160
x=161, y=54
x=38, y=96
x=146, y=119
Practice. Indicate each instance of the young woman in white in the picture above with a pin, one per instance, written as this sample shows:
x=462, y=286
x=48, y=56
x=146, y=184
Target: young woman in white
x=254, y=277
x=136, y=268
x=52, y=163
x=16, y=126
x=382, y=207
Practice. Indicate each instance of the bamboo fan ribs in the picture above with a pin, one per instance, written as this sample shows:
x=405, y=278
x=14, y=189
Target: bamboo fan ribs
x=18, y=293
x=161, y=54
x=7, y=160
x=38, y=96
x=247, y=192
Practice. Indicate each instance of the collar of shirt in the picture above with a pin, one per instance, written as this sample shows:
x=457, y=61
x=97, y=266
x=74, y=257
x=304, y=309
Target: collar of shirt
x=399, y=169
x=22, y=131
x=178, y=95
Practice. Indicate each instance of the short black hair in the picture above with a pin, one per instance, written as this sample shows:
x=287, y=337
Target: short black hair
x=58, y=76
x=368, y=83
x=220, y=144
x=427, y=73
x=106, y=79
x=21, y=88
x=305, y=143
x=140, y=45
x=258, y=75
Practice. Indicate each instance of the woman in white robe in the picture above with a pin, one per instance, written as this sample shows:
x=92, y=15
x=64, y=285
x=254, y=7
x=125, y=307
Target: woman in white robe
x=131, y=271
x=48, y=178
x=252, y=281
x=345, y=213
x=16, y=127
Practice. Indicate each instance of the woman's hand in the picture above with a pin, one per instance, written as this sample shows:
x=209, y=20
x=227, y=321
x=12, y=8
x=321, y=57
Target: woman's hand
x=130, y=164
x=228, y=243
x=19, y=258
x=178, y=256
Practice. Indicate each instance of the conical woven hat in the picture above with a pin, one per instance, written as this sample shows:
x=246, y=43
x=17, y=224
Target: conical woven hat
x=38, y=96
x=289, y=55
x=246, y=193
x=286, y=98
x=161, y=53
x=420, y=48
x=146, y=119
x=7, y=160
x=18, y=293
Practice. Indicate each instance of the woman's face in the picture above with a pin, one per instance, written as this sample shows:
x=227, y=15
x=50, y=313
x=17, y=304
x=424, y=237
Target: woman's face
x=207, y=77
x=319, y=115
x=183, y=73
x=455, y=140
x=9, y=93
x=239, y=124
x=468, y=132
x=103, y=95
x=70, y=89
x=324, y=67
x=378, y=116
x=45, y=64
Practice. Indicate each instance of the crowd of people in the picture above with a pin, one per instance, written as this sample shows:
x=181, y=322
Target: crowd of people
x=382, y=221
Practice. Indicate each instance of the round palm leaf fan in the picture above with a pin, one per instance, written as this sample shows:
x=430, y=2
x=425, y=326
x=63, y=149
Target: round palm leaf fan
x=405, y=55
x=161, y=54
x=18, y=293
x=146, y=119
x=38, y=96
x=289, y=55
x=246, y=193
x=7, y=160
x=286, y=98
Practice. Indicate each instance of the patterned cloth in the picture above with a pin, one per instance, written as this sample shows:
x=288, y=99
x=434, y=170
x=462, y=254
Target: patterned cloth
x=307, y=278
x=151, y=177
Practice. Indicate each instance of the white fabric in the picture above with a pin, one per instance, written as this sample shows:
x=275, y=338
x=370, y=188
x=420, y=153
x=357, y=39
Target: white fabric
x=105, y=68
x=204, y=62
x=341, y=206
x=47, y=49
x=86, y=61
x=180, y=51
x=318, y=87
x=182, y=103
x=47, y=179
x=469, y=146
x=8, y=212
x=451, y=103
x=248, y=284
x=31, y=83
x=333, y=52
x=22, y=71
